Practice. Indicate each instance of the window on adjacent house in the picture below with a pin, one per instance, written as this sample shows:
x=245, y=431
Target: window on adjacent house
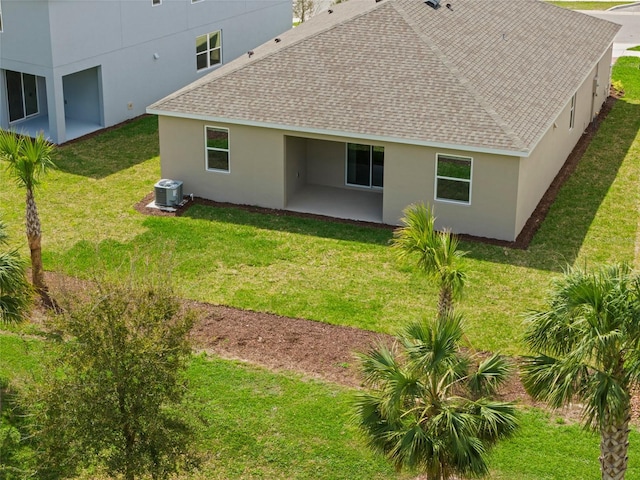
x=22, y=95
x=217, y=148
x=156, y=2
x=453, y=178
x=572, y=113
x=365, y=165
x=0, y=16
x=208, y=50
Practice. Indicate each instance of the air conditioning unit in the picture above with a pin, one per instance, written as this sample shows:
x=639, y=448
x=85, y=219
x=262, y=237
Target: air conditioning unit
x=168, y=193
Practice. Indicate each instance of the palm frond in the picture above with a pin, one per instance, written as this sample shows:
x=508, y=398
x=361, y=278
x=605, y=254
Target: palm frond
x=28, y=159
x=551, y=380
x=415, y=415
x=436, y=252
x=15, y=290
x=496, y=420
x=490, y=374
x=606, y=400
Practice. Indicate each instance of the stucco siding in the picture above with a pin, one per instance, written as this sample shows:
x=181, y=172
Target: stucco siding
x=296, y=165
x=539, y=169
x=256, y=168
x=410, y=178
x=261, y=173
x=326, y=163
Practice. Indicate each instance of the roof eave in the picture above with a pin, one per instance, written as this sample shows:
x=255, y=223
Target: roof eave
x=337, y=133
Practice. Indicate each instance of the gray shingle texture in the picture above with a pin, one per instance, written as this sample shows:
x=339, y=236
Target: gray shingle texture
x=486, y=73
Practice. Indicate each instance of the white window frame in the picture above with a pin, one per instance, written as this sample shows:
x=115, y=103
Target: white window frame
x=346, y=167
x=208, y=51
x=463, y=180
x=155, y=3
x=207, y=148
x=572, y=111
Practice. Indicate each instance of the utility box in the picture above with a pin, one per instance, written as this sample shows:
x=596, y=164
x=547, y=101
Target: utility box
x=168, y=193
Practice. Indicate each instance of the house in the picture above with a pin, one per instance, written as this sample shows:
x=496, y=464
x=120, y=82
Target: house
x=472, y=106
x=71, y=67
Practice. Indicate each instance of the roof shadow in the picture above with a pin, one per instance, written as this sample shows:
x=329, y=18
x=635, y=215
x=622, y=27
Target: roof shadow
x=291, y=222
x=93, y=155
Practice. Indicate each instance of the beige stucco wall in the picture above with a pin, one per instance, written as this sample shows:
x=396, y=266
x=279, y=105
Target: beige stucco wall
x=410, y=177
x=256, y=175
x=296, y=167
x=539, y=169
x=259, y=176
x=325, y=162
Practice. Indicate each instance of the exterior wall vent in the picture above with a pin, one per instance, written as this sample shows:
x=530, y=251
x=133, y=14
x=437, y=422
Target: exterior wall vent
x=435, y=4
x=168, y=193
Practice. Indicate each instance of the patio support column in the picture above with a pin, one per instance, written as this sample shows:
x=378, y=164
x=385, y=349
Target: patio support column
x=4, y=112
x=55, y=105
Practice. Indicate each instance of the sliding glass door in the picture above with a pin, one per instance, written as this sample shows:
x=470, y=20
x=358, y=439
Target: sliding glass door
x=22, y=94
x=365, y=165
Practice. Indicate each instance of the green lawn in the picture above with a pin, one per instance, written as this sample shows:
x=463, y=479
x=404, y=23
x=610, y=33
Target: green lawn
x=259, y=424
x=586, y=5
x=321, y=270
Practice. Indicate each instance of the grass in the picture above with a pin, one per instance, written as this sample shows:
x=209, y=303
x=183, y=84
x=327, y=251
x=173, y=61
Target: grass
x=326, y=271
x=635, y=49
x=260, y=424
x=586, y=5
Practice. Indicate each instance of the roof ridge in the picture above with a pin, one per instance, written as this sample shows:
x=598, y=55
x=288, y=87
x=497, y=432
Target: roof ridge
x=464, y=81
x=241, y=65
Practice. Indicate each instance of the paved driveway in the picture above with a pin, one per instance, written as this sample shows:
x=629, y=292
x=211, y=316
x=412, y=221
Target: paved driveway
x=629, y=34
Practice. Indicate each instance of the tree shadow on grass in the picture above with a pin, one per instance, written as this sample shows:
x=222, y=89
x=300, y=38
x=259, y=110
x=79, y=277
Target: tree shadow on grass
x=109, y=151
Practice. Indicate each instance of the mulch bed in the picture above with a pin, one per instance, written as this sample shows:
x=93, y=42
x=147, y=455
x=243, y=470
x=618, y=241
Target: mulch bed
x=307, y=348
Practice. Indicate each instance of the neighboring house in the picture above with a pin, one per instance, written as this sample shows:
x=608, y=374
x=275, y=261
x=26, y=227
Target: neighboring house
x=71, y=67
x=472, y=107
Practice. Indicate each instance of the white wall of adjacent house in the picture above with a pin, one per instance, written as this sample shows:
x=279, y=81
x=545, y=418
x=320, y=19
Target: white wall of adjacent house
x=140, y=52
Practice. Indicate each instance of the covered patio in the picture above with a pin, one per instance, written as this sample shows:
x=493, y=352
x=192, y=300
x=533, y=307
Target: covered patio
x=351, y=204
x=74, y=128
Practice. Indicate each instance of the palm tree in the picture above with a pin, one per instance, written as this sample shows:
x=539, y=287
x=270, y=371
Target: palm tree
x=438, y=254
x=29, y=160
x=428, y=409
x=15, y=290
x=587, y=346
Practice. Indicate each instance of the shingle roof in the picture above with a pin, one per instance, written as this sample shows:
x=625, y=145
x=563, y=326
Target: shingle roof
x=485, y=74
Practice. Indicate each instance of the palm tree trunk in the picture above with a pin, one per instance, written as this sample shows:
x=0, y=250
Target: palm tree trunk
x=445, y=301
x=34, y=236
x=614, y=442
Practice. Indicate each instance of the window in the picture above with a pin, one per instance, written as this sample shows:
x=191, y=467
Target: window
x=0, y=16
x=453, y=178
x=217, y=149
x=208, y=50
x=572, y=113
x=156, y=2
x=365, y=165
x=196, y=1
x=22, y=94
